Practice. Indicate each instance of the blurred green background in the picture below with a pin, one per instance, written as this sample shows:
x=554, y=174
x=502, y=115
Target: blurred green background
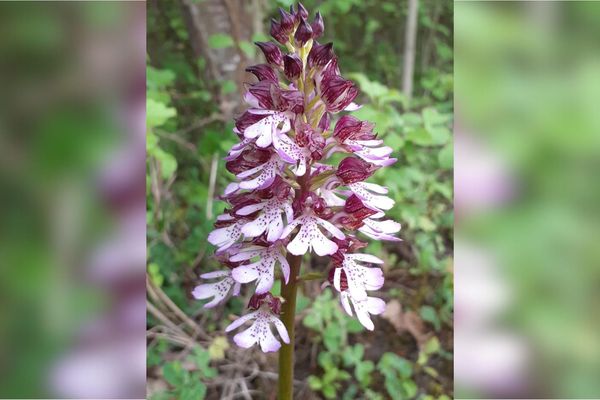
x=527, y=92
x=197, y=52
x=72, y=78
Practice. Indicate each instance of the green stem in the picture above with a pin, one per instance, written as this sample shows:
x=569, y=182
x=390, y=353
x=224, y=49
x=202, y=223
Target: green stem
x=288, y=314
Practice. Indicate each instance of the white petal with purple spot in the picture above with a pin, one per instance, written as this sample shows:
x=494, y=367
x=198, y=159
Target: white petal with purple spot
x=218, y=290
x=380, y=230
x=291, y=153
x=269, y=220
x=363, y=308
x=262, y=270
x=310, y=236
x=226, y=236
x=260, y=331
x=264, y=174
x=359, y=278
x=367, y=193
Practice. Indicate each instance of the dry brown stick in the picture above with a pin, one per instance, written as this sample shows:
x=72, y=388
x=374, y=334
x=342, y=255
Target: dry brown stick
x=165, y=320
x=173, y=339
x=211, y=185
x=197, y=330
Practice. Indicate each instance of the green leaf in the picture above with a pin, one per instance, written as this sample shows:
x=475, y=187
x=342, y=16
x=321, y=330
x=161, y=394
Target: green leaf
x=314, y=383
x=158, y=113
x=393, y=388
x=429, y=314
x=391, y=361
x=312, y=321
x=248, y=48
x=426, y=224
x=353, y=326
x=200, y=357
x=168, y=164
x=432, y=117
x=431, y=371
x=432, y=346
x=420, y=136
x=446, y=156
x=155, y=275
x=410, y=388
x=193, y=391
x=440, y=135
x=260, y=37
x=220, y=41
x=329, y=392
x=394, y=141
x=332, y=337
x=276, y=289
x=302, y=302
x=228, y=86
x=326, y=361
x=353, y=355
x=174, y=374
x=363, y=372
x=159, y=78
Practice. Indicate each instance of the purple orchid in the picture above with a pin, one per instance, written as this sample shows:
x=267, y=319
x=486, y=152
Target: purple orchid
x=287, y=198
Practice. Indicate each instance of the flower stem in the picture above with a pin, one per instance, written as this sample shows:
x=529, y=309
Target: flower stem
x=288, y=310
x=288, y=314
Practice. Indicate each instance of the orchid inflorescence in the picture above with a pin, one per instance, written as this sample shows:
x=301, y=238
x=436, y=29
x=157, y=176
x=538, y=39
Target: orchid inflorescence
x=285, y=138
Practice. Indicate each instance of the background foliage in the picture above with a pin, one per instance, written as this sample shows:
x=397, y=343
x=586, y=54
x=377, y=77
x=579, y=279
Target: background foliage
x=193, y=92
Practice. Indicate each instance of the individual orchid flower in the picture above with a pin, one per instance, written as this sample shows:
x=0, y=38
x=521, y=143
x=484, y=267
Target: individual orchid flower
x=218, y=290
x=380, y=230
x=310, y=236
x=354, y=136
x=262, y=270
x=291, y=153
x=289, y=198
x=229, y=230
x=267, y=308
x=261, y=176
x=269, y=219
x=372, y=195
x=358, y=277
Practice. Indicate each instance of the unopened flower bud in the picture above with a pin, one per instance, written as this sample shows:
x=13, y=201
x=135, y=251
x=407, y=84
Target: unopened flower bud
x=303, y=33
x=320, y=54
x=301, y=12
x=353, y=169
x=337, y=92
x=318, y=26
x=249, y=159
x=278, y=32
x=263, y=92
x=272, y=52
x=263, y=72
x=357, y=209
x=350, y=223
x=349, y=127
x=292, y=66
x=287, y=21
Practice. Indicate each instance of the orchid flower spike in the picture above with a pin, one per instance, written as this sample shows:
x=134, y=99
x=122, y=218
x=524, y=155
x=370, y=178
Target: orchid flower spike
x=288, y=196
